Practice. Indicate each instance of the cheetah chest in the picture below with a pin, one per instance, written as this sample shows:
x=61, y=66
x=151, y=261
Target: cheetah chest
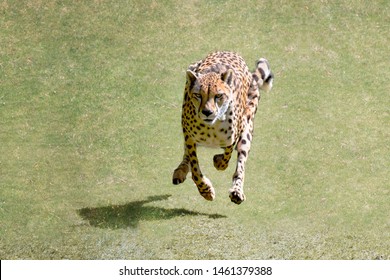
x=222, y=133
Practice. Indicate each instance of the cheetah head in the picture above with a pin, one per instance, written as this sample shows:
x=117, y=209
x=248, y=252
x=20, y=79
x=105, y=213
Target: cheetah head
x=211, y=94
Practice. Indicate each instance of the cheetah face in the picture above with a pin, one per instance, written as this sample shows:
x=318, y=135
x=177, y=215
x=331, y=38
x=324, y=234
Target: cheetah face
x=211, y=94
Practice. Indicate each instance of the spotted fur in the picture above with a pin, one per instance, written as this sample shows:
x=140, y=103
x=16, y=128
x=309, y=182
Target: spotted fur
x=220, y=101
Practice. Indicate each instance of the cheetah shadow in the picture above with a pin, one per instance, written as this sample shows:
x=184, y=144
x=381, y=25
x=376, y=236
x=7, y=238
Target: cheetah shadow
x=130, y=214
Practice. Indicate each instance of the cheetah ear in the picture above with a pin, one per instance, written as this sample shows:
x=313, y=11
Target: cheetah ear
x=227, y=77
x=191, y=76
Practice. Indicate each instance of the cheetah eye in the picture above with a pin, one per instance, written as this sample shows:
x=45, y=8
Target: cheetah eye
x=197, y=95
x=218, y=96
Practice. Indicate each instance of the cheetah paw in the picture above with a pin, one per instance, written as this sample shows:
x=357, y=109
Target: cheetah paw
x=206, y=189
x=210, y=195
x=178, y=176
x=219, y=163
x=236, y=196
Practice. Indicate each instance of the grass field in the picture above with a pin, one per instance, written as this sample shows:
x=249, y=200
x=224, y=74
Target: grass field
x=90, y=106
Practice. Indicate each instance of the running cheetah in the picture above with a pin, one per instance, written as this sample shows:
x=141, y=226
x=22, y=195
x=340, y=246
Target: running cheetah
x=220, y=101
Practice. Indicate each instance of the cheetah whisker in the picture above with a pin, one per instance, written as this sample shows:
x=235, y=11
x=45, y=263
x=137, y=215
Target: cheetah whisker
x=221, y=112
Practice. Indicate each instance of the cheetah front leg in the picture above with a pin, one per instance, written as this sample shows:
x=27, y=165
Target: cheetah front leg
x=190, y=159
x=236, y=193
x=180, y=173
x=203, y=184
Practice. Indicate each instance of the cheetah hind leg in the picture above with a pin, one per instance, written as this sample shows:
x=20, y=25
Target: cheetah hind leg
x=221, y=161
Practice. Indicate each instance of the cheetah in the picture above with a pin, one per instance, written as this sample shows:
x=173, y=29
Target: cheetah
x=220, y=102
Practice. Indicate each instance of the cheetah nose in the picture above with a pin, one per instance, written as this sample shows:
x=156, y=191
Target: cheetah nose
x=207, y=112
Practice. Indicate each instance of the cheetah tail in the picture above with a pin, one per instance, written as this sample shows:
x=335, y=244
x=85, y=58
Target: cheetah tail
x=263, y=75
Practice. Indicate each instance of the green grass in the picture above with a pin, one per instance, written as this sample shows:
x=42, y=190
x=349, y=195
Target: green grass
x=90, y=104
